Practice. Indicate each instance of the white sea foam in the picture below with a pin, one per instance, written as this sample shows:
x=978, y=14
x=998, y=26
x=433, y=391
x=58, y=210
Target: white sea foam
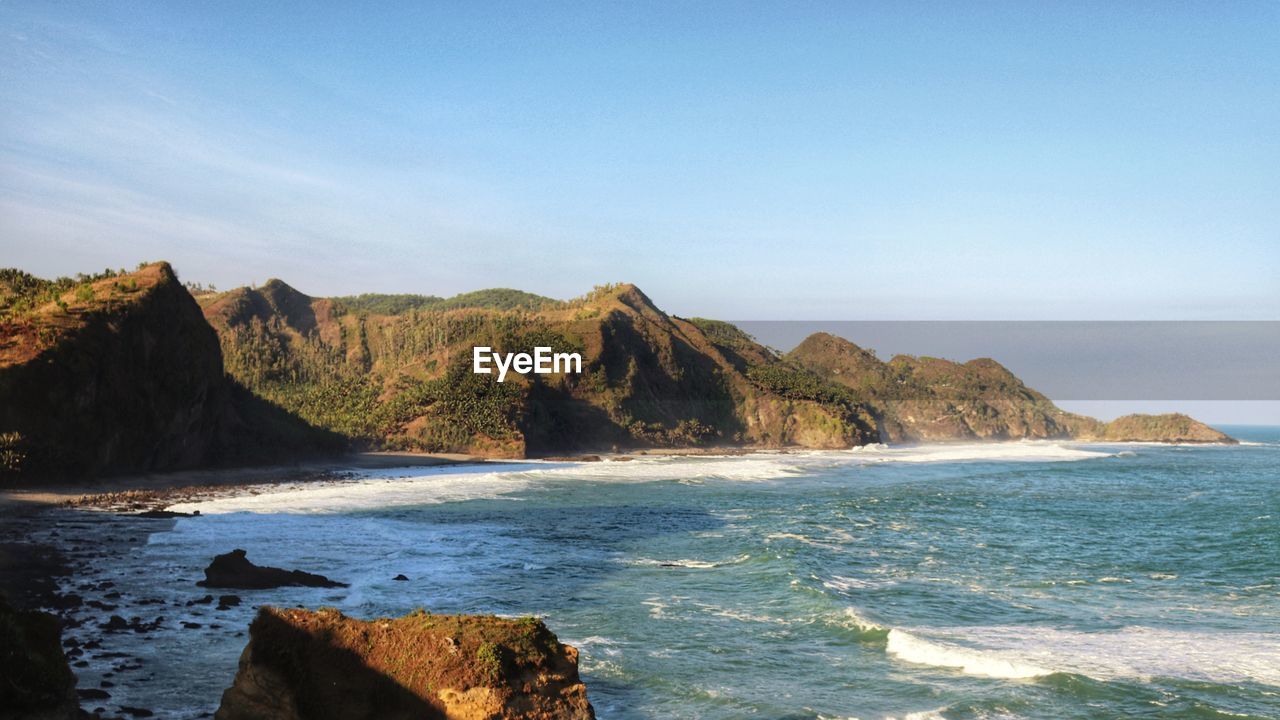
x=691, y=564
x=377, y=489
x=1017, y=451
x=415, y=486
x=913, y=649
x=1130, y=652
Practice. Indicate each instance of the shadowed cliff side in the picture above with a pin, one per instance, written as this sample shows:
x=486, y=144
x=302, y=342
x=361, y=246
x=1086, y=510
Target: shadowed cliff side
x=300, y=664
x=122, y=374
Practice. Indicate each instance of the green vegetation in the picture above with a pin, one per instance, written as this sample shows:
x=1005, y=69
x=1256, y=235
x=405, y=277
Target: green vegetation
x=723, y=333
x=490, y=299
x=21, y=292
x=384, y=304
x=489, y=661
x=798, y=383
x=11, y=452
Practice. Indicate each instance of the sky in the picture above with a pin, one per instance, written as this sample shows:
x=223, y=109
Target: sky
x=746, y=160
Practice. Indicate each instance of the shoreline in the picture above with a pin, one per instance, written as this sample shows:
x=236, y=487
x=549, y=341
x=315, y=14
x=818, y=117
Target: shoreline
x=60, y=544
x=155, y=491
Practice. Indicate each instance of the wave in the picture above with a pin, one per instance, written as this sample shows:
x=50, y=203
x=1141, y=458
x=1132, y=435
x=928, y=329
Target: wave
x=1016, y=451
x=917, y=650
x=690, y=564
x=371, y=489
x=1136, y=652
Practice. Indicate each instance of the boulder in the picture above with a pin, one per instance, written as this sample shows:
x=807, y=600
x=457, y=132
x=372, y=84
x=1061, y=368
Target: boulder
x=233, y=570
x=35, y=679
x=302, y=664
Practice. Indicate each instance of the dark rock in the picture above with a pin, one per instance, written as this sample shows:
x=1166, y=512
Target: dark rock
x=233, y=570
x=115, y=624
x=400, y=578
x=35, y=680
x=92, y=694
x=229, y=600
x=162, y=514
x=136, y=712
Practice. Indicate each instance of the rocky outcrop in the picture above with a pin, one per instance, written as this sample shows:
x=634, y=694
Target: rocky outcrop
x=233, y=570
x=300, y=665
x=924, y=399
x=36, y=683
x=1168, y=428
x=122, y=375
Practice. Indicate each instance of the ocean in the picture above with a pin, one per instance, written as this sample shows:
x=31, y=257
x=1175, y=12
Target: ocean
x=1014, y=580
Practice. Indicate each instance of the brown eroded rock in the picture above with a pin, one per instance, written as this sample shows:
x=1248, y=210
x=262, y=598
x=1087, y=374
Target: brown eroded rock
x=233, y=570
x=301, y=664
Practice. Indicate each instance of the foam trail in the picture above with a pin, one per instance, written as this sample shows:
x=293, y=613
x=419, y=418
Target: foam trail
x=1018, y=451
x=418, y=486
x=913, y=649
x=1130, y=652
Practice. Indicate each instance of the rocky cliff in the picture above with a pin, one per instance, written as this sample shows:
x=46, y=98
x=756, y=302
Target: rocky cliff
x=923, y=399
x=300, y=664
x=403, y=380
x=126, y=372
x=36, y=682
x=1169, y=428
x=123, y=374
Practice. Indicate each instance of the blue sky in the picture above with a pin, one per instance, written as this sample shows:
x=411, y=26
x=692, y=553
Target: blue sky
x=741, y=160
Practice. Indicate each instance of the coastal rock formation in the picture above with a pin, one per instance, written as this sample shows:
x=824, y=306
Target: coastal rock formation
x=233, y=570
x=127, y=372
x=122, y=374
x=395, y=373
x=36, y=683
x=301, y=664
x=117, y=375
x=924, y=399
x=1168, y=428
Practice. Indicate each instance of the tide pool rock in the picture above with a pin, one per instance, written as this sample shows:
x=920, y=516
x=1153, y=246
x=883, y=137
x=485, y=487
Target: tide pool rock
x=233, y=570
x=302, y=664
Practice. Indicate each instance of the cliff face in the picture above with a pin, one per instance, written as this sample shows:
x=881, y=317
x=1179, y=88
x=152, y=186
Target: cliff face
x=921, y=399
x=929, y=399
x=120, y=375
x=124, y=374
x=300, y=664
x=404, y=380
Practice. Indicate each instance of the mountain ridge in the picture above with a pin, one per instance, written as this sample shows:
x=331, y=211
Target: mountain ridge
x=124, y=372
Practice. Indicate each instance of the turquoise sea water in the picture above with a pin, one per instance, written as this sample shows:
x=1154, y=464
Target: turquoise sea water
x=1019, y=580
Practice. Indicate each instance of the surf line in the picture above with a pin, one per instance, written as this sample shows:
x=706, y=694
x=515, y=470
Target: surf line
x=542, y=361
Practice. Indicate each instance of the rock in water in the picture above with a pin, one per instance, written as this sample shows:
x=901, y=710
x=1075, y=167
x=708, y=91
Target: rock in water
x=301, y=664
x=233, y=570
x=35, y=679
